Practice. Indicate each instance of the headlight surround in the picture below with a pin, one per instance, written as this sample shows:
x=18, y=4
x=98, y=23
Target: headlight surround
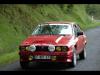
x=22, y=47
x=31, y=48
x=51, y=48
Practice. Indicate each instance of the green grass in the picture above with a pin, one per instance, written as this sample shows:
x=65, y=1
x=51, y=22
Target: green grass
x=8, y=58
x=18, y=20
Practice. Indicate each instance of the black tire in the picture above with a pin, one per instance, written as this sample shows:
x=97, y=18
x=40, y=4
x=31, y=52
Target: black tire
x=82, y=55
x=74, y=60
x=24, y=65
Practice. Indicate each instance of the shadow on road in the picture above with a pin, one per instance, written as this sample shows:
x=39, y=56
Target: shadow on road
x=47, y=67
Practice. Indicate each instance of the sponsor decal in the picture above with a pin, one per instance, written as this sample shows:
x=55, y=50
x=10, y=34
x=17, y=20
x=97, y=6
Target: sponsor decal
x=72, y=41
x=58, y=39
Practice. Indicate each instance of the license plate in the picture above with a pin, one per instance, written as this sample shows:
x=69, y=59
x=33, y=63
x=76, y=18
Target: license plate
x=42, y=57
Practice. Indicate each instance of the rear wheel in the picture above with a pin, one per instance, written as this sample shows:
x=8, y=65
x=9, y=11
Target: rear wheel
x=82, y=55
x=24, y=65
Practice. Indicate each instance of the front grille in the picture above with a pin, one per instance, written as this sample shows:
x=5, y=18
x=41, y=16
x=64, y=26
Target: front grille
x=41, y=48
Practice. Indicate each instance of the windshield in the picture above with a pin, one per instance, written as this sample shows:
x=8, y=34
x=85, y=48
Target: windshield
x=53, y=30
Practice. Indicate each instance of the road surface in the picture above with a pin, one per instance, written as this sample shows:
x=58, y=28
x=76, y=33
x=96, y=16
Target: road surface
x=91, y=63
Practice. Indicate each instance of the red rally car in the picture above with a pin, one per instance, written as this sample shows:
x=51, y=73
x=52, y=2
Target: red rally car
x=54, y=42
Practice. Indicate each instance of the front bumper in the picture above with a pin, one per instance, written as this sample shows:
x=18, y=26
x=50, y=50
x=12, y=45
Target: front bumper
x=28, y=56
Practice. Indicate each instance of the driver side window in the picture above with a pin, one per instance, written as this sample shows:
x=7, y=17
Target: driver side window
x=76, y=29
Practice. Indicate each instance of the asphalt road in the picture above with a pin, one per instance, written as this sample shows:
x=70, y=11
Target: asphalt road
x=91, y=63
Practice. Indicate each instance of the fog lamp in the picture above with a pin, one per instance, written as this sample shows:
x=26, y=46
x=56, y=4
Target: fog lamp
x=53, y=58
x=30, y=58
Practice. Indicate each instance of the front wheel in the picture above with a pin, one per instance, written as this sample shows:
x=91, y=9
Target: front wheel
x=74, y=60
x=24, y=65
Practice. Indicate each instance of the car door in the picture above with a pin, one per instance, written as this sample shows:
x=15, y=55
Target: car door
x=80, y=42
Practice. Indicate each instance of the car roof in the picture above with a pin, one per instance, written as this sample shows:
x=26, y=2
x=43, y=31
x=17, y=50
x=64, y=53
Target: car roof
x=59, y=22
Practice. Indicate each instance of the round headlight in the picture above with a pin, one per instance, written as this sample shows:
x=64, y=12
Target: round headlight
x=51, y=48
x=64, y=48
x=58, y=48
x=32, y=48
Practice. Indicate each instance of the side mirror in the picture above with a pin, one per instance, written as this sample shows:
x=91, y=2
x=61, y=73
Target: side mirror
x=79, y=33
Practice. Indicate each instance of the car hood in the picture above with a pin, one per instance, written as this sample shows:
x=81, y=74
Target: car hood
x=47, y=39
